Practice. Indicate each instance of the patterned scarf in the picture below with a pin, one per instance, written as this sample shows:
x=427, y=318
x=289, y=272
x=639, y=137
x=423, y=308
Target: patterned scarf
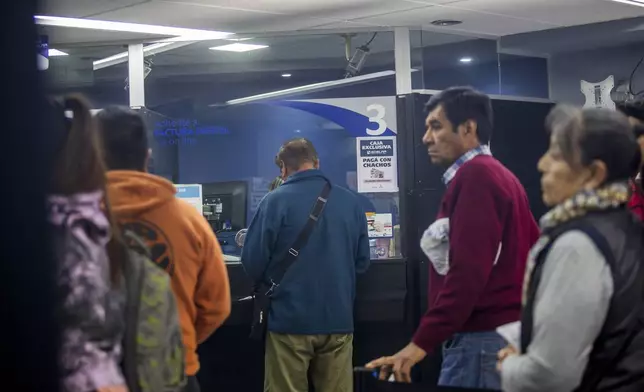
x=605, y=198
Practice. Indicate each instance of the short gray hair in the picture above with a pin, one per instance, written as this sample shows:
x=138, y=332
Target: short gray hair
x=586, y=135
x=295, y=153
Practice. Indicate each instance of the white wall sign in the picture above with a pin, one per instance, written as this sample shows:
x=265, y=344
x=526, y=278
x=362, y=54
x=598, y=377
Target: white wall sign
x=191, y=193
x=598, y=94
x=377, y=169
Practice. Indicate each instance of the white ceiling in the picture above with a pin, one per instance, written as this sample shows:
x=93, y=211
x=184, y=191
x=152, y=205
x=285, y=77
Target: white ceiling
x=305, y=34
x=482, y=18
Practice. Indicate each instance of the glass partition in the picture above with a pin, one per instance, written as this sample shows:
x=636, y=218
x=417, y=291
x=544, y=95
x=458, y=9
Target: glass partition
x=463, y=61
x=225, y=145
x=523, y=75
x=75, y=72
x=457, y=60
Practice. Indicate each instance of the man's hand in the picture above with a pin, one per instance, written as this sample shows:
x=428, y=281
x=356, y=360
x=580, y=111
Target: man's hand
x=399, y=364
x=503, y=354
x=116, y=388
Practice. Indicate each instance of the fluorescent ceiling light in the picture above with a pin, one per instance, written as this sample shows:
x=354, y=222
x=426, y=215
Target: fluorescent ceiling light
x=311, y=88
x=80, y=23
x=639, y=3
x=465, y=60
x=69, y=114
x=56, y=53
x=286, y=75
x=239, y=47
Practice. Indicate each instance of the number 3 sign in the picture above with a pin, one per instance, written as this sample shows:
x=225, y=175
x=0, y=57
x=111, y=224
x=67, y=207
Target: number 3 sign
x=378, y=119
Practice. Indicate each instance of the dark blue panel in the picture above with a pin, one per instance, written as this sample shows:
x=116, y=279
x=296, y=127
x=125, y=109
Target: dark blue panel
x=524, y=76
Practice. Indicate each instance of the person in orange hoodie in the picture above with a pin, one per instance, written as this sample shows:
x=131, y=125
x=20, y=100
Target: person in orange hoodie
x=180, y=239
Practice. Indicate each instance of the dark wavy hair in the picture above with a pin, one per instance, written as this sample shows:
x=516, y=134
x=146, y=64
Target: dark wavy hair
x=462, y=104
x=77, y=164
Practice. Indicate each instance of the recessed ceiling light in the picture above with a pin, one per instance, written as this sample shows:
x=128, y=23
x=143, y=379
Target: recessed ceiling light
x=239, y=47
x=92, y=24
x=639, y=3
x=465, y=60
x=56, y=53
x=446, y=22
x=286, y=75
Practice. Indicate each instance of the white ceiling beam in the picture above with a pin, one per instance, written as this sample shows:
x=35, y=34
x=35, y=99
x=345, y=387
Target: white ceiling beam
x=310, y=88
x=402, y=59
x=148, y=50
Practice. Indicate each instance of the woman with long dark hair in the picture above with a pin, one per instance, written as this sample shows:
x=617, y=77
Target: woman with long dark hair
x=583, y=308
x=89, y=264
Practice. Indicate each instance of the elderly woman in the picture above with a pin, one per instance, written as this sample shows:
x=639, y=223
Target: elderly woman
x=581, y=327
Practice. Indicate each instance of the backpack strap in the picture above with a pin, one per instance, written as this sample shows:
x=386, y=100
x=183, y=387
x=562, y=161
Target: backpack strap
x=134, y=277
x=136, y=243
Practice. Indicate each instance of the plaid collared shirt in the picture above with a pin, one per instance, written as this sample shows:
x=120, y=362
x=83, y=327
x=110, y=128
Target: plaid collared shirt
x=449, y=174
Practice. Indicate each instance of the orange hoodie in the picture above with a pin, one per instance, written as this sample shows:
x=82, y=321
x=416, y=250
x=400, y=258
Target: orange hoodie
x=181, y=242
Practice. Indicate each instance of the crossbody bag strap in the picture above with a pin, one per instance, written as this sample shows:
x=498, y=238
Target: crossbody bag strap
x=302, y=238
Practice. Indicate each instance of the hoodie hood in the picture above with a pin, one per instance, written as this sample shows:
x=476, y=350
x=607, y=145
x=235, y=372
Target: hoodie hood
x=132, y=193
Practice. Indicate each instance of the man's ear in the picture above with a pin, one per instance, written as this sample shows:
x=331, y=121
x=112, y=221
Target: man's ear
x=471, y=127
x=316, y=164
x=283, y=173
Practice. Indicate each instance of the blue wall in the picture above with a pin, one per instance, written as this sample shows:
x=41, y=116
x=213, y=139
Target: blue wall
x=255, y=134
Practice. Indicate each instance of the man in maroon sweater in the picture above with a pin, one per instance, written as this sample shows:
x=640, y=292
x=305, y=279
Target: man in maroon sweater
x=478, y=247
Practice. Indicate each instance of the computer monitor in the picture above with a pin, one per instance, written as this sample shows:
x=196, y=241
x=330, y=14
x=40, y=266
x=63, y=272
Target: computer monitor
x=225, y=203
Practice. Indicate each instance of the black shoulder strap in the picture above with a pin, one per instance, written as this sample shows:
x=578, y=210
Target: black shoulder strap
x=600, y=241
x=527, y=316
x=302, y=238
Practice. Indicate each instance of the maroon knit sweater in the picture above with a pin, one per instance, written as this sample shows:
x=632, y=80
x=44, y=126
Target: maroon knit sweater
x=487, y=208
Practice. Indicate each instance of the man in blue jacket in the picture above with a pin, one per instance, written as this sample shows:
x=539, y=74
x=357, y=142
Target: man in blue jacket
x=310, y=324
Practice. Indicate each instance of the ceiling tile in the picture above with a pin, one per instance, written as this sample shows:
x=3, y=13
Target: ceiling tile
x=66, y=37
x=435, y=2
x=82, y=8
x=190, y=16
x=335, y=10
x=341, y=26
x=309, y=8
x=473, y=22
x=558, y=12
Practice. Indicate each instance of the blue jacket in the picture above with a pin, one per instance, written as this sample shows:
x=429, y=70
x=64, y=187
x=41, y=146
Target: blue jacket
x=317, y=293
